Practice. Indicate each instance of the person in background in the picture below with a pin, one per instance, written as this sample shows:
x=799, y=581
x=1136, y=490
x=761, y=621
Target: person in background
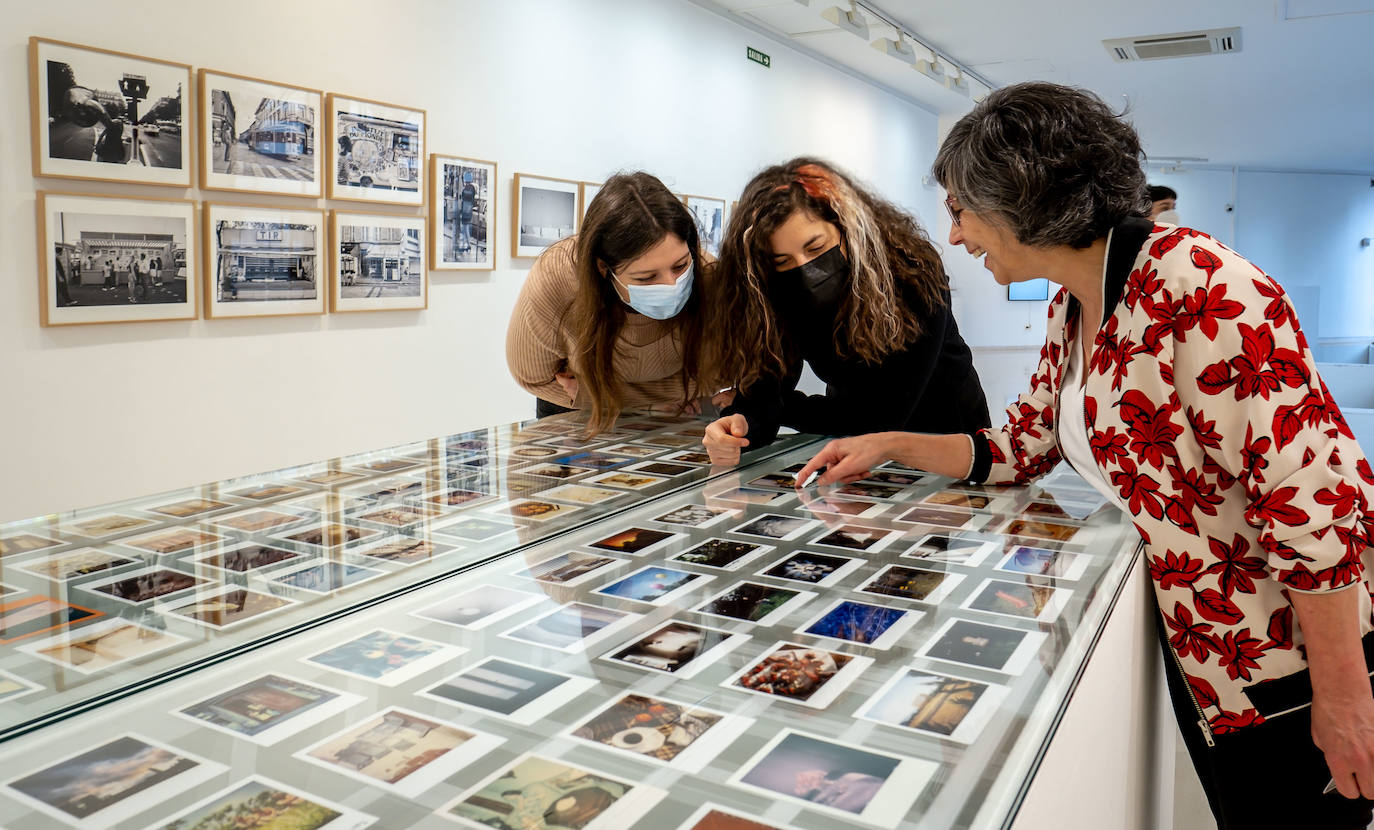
x=467, y=203
x=64, y=297
x=1163, y=204
x=1176, y=380
x=613, y=318
x=816, y=268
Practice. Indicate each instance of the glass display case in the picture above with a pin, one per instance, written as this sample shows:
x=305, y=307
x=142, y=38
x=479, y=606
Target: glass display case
x=546, y=632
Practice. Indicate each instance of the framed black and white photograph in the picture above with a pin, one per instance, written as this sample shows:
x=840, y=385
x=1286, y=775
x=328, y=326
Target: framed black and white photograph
x=462, y=214
x=116, y=260
x=263, y=261
x=376, y=151
x=546, y=210
x=710, y=218
x=112, y=116
x=378, y=263
x=258, y=136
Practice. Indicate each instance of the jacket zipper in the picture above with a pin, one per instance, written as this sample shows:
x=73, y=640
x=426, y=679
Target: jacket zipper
x=1201, y=718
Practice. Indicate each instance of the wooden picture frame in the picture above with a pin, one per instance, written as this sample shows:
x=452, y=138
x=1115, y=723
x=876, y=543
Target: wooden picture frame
x=150, y=240
x=449, y=176
x=79, y=96
x=263, y=260
x=387, y=255
x=547, y=218
x=588, y=192
x=709, y=214
x=259, y=136
x=376, y=151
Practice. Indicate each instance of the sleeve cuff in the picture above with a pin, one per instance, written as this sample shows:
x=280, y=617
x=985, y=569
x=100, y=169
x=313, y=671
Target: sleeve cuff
x=981, y=467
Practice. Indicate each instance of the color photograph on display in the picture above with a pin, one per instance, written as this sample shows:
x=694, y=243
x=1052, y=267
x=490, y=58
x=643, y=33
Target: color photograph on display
x=935, y=705
x=462, y=213
x=257, y=136
x=857, y=537
x=25, y=543
x=954, y=550
x=102, y=645
x=378, y=263
x=1026, y=600
x=581, y=494
x=696, y=515
x=774, y=526
x=677, y=648
x=263, y=261
x=628, y=481
x=326, y=577
x=187, y=508
x=660, y=731
x=570, y=627
x=546, y=210
x=533, y=510
x=725, y=554
x=116, y=260
x=113, y=116
x=812, y=568
x=31, y=616
x=715, y=817
x=1038, y=529
x=173, y=541
x=995, y=647
x=534, y=793
x=404, y=550
x=912, y=583
x=753, y=602
x=480, y=607
x=261, y=804
x=1060, y=564
x=568, y=568
x=252, y=521
x=145, y=585
x=70, y=564
x=635, y=541
x=802, y=674
x=524, y=694
x=655, y=585
x=859, y=622
x=109, y=525
x=248, y=557
x=376, y=151
x=268, y=708
x=385, y=657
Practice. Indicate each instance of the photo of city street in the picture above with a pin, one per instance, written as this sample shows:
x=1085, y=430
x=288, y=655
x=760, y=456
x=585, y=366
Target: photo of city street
x=467, y=214
x=262, y=136
x=379, y=262
x=119, y=259
x=264, y=261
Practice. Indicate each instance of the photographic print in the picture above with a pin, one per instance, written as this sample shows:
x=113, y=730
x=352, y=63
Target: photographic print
x=935, y=705
x=329, y=478
x=538, y=794
x=594, y=460
x=812, y=568
x=938, y=516
x=673, y=442
x=533, y=510
x=661, y=731
x=861, y=623
x=545, y=212
x=475, y=529
x=229, y=607
x=386, y=657
x=29, y=617
x=70, y=564
x=376, y=151
x=995, y=647
x=895, y=478
x=655, y=585
x=632, y=450
x=721, y=553
x=869, y=490
x=266, y=492
x=774, y=526
x=388, y=465
x=572, y=627
x=569, y=568
x=677, y=648
x=688, y=457
x=269, y=708
x=330, y=535
x=754, y=602
x=13, y=687
x=252, y=521
x=101, y=645
x=325, y=577
x=378, y=263
x=257, y=136
x=262, y=804
x=115, y=260
x=954, y=550
x=1035, y=528
x=750, y=495
x=190, y=507
x=533, y=451
x=401, y=751
x=456, y=497
x=857, y=537
x=145, y=585
x=662, y=468
x=462, y=213
x=403, y=550
x=263, y=261
x=397, y=515
x=709, y=214
x=112, y=116
x=113, y=782
x=1028, y=601
x=835, y=506
x=635, y=541
x=25, y=543
x=954, y=498
x=785, y=482
x=479, y=607
x=813, y=677
x=103, y=526
x=697, y=515
x=173, y=541
x=1041, y=562
x=524, y=694
x=628, y=481
x=581, y=494
x=912, y=583
x=245, y=558
x=714, y=817
x=836, y=779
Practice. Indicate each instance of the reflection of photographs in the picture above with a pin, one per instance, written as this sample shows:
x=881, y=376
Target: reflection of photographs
x=172, y=541
x=533, y=510
x=376, y=151
x=263, y=261
x=463, y=213
x=145, y=585
x=398, y=515
x=629, y=481
x=258, y=136
x=836, y=779
x=268, y=491
x=1019, y=599
x=32, y=616
x=655, y=585
x=251, y=521
x=571, y=627
x=545, y=212
x=936, y=705
x=673, y=442
x=721, y=553
x=785, y=482
x=581, y=494
x=246, y=558
x=268, y=708
x=859, y=622
x=748, y=495
x=456, y=497
x=190, y=507
x=660, y=731
x=857, y=537
x=385, y=656
x=894, y=478
x=262, y=804
x=524, y=694
x=689, y=457
x=25, y=543
x=774, y=526
x=869, y=490
x=107, y=525
x=813, y=568
x=714, y=817
x=537, y=794
x=479, y=607
x=100, y=646
x=332, y=477
x=325, y=577
x=935, y=516
x=696, y=515
x=70, y=564
x=662, y=468
x=594, y=460
x=230, y=607
x=912, y=583
x=953, y=498
x=955, y=550
x=330, y=535
x=96, y=787
x=635, y=540
x=12, y=687
x=404, y=550
x=632, y=450
x=567, y=568
x=1040, y=530
x=377, y=263
x=753, y=602
x=842, y=506
x=1042, y=562
x=475, y=529
x=533, y=451
x=677, y=648
x=813, y=677
x=994, y=647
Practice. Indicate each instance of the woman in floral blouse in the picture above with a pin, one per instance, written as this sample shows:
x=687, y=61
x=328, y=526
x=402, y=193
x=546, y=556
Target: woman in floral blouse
x=1176, y=380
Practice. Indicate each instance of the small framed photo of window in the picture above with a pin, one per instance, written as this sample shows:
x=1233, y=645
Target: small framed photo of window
x=1030, y=290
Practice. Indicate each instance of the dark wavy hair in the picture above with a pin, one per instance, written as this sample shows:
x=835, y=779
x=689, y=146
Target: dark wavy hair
x=887, y=252
x=1052, y=163
x=631, y=213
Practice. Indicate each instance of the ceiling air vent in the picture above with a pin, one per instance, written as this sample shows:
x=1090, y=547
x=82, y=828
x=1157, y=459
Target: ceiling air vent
x=1179, y=45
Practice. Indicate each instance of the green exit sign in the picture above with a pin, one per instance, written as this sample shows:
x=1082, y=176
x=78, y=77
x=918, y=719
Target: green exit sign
x=757, y=57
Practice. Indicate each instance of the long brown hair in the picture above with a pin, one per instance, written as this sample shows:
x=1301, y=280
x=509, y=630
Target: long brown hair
x=887, y=251
x=632, y=213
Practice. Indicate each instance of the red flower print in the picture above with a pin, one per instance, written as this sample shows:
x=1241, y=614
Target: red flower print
x=1254, y=455
x=1205, y=260
x=1204, y=431
x=1189, y=638
x=1238, y=571
x=1151, y=429
x=1140, y=491
x=1217, y=608
x=1259, y=370
x=1203, y=691
x=1175, y=569
x=1274, y=507
x=1230, y=721
x=1108, y=447
x=1300, y=578
x=1341, y=499
x=1204, y=307
x=1281, y=628
x=1239, y=653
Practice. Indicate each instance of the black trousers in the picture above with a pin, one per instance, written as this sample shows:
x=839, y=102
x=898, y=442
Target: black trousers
x=543, y=408
x=1266, y=776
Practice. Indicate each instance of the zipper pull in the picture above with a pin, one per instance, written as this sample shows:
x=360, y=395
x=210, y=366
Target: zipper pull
x=1206, y=732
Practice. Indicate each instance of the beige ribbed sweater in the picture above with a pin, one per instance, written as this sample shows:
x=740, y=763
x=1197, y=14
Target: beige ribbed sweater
x=648, y=359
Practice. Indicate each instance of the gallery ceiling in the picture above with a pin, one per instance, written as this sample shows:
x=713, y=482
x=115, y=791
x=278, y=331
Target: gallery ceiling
x=1296, y=95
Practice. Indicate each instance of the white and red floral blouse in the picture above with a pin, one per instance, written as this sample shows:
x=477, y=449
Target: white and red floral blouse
x=1205, y=413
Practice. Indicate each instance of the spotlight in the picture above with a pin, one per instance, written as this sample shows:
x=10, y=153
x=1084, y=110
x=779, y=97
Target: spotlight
x=851, y=21
x=899, y=48
x=932, y=68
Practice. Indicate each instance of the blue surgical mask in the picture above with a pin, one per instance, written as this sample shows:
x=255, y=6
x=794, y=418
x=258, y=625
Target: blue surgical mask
x=661, y=302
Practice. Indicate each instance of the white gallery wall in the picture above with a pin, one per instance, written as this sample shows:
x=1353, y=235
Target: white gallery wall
x=568, y=89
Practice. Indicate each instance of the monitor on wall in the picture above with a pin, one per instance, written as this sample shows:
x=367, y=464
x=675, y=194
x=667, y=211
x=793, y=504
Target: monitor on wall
x=1029, y=290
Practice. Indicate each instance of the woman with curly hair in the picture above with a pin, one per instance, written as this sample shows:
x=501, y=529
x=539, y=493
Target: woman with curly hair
x=816, y=268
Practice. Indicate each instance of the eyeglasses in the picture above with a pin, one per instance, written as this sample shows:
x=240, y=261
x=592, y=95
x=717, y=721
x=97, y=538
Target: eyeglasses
x=953, y=211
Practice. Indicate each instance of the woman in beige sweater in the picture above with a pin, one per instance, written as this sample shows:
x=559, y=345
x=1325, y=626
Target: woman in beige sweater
x=612, y=318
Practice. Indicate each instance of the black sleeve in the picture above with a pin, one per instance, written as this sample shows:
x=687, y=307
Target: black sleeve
x=762, y=404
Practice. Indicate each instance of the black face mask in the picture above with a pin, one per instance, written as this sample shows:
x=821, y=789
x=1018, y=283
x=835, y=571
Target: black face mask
x=821, y=282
